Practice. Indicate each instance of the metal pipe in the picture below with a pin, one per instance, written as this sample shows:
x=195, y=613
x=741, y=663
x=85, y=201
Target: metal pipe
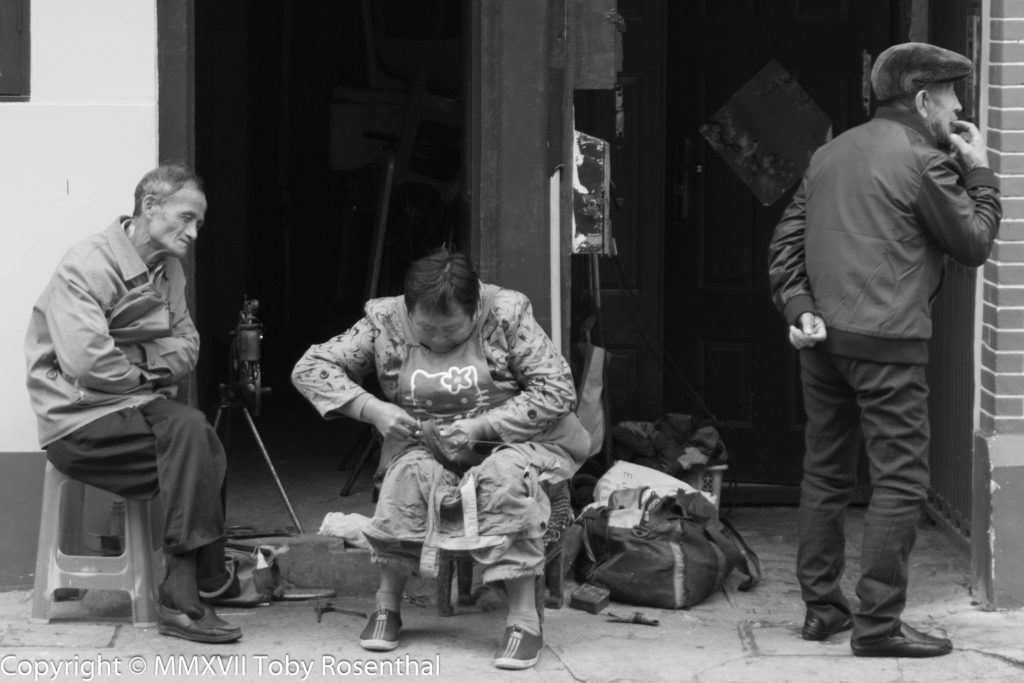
x=270, y=464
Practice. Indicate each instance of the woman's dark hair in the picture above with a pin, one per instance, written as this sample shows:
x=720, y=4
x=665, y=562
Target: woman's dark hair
x=441, y=280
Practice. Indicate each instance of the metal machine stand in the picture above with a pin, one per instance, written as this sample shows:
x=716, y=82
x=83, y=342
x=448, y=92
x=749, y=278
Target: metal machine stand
x=244, y=388
x=368, y=446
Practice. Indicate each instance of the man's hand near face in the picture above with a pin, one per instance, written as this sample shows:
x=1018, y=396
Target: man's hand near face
x=969, y=145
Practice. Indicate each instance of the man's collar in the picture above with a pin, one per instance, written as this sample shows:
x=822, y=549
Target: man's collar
x=128, y=259
x=908, y=119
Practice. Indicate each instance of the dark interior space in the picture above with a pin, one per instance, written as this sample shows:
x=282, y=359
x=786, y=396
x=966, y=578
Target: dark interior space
x=306, y=113
x=300, y=107
x=688, y=318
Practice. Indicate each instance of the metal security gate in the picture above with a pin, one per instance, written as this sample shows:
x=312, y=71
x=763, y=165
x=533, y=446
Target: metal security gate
x=951, y=402
x=954, y=24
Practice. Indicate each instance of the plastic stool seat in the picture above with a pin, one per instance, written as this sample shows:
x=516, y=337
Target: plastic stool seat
x=135, y=570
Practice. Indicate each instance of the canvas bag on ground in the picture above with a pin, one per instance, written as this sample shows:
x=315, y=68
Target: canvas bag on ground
x=678, y=553
x=255, y=577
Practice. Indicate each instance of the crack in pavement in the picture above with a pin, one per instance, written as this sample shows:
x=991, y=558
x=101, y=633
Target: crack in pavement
x=565, y=664
x=1015, y=663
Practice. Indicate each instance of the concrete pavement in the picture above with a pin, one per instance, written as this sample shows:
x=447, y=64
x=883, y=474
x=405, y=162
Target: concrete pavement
x=733, y=636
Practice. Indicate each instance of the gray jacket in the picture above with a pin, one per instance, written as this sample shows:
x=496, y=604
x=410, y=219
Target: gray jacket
x=101, y=310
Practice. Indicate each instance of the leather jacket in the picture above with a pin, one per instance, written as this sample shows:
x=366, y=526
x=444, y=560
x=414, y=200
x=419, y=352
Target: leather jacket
x=864, y=241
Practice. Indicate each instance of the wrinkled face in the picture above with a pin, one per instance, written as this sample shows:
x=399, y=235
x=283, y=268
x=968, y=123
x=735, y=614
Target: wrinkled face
x=174, y=224
x=441, y=333
x=942, y=107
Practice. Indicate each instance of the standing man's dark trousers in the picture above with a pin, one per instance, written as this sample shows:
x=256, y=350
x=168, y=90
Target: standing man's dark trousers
x=160, y=447
x=852, y=402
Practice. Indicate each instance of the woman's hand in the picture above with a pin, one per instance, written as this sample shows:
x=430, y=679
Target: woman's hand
x=452, y=445
x=390, y=420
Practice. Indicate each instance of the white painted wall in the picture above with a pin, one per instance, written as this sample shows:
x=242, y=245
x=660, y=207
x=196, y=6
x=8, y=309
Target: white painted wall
x=69, y=160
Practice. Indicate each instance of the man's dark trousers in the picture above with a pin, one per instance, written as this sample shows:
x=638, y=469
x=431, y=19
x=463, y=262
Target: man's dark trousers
x=160, y=447
x=884, y=407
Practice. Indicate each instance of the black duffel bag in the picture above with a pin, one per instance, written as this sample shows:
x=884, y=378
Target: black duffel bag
x=671, y=552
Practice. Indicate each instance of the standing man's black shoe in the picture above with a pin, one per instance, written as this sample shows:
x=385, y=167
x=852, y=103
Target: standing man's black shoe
x=816, y=628
x=904, y=642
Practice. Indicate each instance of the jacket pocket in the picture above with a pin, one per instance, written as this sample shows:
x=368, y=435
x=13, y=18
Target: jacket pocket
x=82, y=396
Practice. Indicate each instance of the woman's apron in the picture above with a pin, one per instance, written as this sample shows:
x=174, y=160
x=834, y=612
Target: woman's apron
x=457, y=385
x=444, y=386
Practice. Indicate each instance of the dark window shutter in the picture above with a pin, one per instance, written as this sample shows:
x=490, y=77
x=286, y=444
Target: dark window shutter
x=14, y=50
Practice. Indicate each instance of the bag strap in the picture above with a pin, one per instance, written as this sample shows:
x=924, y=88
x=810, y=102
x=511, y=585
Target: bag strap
x=738, y=552
x=653, y=501
x=593, y=522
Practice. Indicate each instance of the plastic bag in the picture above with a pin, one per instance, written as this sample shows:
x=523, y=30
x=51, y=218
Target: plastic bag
x=590, y=408
x=347, y=526
x=628, y=475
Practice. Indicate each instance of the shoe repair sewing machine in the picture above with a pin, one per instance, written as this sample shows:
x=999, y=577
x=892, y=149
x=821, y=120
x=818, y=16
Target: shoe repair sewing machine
x=244, y=388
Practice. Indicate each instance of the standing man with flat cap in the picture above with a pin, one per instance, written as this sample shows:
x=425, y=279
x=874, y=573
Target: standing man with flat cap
x=855, y=264
x=109, y=339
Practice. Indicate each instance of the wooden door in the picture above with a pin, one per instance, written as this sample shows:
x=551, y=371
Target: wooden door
x=720, y=325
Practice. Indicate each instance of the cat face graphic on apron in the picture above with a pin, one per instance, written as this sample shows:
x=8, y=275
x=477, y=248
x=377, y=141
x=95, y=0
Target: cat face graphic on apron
x=447, y=392
x=457, y=384
x=452, y=385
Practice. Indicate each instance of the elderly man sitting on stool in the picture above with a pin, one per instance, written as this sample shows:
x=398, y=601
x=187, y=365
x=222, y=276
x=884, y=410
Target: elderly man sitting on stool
x=109, y=338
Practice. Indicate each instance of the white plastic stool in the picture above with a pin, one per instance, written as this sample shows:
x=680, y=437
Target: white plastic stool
x=135, y=570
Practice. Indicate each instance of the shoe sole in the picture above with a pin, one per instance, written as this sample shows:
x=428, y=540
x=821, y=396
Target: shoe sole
x=165, y=630
x=893, y=655
x=816, y=637
x=378, y=645
x=504, y=663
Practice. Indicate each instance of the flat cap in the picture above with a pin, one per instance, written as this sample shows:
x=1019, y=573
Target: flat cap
x=906, y=68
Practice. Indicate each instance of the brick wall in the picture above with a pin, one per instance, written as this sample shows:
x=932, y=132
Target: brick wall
x=1002, y=336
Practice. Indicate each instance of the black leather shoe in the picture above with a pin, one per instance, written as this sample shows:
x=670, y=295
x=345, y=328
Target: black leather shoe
x=816, y=628
x=208, y=629
x=904, y=642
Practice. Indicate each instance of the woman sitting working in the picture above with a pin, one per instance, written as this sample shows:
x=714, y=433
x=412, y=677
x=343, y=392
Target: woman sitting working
x=474, y=387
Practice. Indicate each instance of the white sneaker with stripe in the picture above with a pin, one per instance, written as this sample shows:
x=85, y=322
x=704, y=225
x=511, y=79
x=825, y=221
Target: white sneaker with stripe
x=519, y=649
x=382, y=631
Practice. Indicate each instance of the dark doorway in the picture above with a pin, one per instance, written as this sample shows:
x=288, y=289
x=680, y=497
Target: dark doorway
x=691, y=280
x=690, y=277
x=299, y=106
x=720, y=326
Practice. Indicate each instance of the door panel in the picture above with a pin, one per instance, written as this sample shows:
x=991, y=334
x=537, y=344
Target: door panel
x=720, y=325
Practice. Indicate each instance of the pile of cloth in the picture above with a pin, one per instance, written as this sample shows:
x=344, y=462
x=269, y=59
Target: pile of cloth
x=675, y=444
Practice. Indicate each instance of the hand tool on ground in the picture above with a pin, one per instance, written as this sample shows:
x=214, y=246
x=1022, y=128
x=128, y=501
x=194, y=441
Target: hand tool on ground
x=634, y=618
x=329, y=607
